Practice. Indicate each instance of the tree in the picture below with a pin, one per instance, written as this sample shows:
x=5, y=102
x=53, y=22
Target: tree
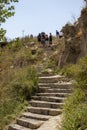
x=6, y=11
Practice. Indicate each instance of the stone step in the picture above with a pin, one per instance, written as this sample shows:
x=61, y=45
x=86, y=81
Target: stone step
x=44, y=104
x=53, y=94
x=50, y=79
x=29, y=123
x=43, y=89
x=51, y=90
x=56, y=85
x=36, y=116
x=44, y=111
x=45, y=74
x=49, y=98
x=17, y=127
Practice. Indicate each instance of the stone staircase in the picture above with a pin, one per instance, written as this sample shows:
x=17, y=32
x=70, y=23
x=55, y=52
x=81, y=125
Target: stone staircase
x=48, y=102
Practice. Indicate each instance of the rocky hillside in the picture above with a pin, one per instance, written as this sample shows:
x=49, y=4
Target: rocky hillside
x=75, y=39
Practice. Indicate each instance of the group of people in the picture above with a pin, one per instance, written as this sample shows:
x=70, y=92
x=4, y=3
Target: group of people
x=44, y=39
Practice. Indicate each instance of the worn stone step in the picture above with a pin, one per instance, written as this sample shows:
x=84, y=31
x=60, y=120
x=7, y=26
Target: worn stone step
x=44, y=111
x=36, y=116
x=44, y=104
x=53, y=94
x=49, y=98
x=51, y=90
x=17, y=127
x=56, y=85
x=42, y=89
x=50, y=79
x=29, y=123
x=45, y=74
x=53, y=79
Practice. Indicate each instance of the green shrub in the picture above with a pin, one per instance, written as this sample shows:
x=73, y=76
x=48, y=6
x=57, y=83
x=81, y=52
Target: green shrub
x=9, y=110
x=15, y=91
x=75, y=112
x=82, y=75
x=15, y=45
x=25, y=84
x=70, y=70
x=76, y=119
x=78, y=72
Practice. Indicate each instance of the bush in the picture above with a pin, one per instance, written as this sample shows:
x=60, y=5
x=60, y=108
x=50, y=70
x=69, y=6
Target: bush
x=15, y=45
x=70, y=70
x=15, y=90
x=9, y=110
x=82, y=75
x=75, y=112
x=78, y=72
x=25, y=85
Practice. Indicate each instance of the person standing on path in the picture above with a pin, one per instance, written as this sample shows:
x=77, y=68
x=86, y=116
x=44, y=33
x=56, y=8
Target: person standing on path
x=86, y=2
x=50, y=40
x=39, y=38
x=46, y=40
x=57, y=34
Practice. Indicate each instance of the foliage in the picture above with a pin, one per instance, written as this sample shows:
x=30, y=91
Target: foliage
x=51, y=63
x=9, y=110
x=6, y=11
x=24, y=85
x=78, y=72
x=15, y=45
x=16, y=87
x=71, y=70
x=75, y=117
x=2, y=33
x=75, y=109
x=82, y=75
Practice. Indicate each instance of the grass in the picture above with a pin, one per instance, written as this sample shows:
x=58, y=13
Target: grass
x=75, y=109
x=18, y=80
x=15, y=91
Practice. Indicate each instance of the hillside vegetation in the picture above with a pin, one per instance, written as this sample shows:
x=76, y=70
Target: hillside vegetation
x=75, y=109
x=20, y=62
x=18, y=80
x=23, y=59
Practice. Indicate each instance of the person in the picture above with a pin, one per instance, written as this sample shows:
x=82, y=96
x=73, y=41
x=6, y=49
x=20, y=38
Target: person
x=57, y=34
x=43, y=39
x=46, y=39
x=86, y=2
x=60, y=34
x=50, y=39
x=31, y=36
x=39, y=37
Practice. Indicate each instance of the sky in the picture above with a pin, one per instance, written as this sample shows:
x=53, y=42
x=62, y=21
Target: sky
x=35, y=16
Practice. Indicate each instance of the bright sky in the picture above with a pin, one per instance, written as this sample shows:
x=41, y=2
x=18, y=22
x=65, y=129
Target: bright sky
x=35, y=16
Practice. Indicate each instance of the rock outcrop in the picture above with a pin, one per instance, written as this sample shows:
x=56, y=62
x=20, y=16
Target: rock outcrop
x=75, y=40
